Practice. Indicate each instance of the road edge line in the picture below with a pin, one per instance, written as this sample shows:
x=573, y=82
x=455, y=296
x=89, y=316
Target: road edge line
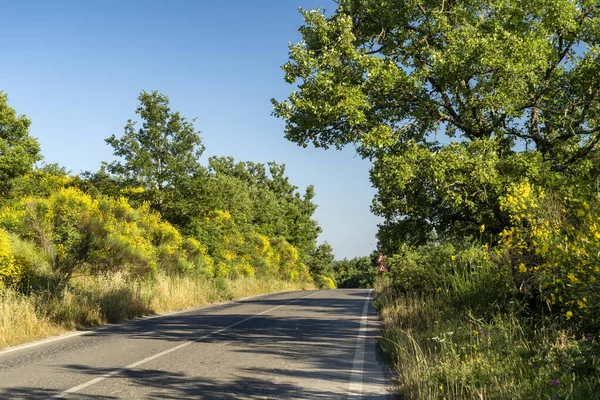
x=355, y=387
x=91, y=382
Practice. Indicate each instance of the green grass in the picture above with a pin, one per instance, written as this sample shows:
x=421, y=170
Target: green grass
x=92, y=301
x=468, y=342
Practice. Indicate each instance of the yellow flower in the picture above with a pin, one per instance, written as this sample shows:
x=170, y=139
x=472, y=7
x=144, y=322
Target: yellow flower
x=453, y=258
x=522, y=268
x=441, y=387
x=482, y=228
x=569, y=315
x=573, y=278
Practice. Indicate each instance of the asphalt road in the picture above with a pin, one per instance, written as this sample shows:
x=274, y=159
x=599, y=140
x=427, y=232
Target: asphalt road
x=294, y=345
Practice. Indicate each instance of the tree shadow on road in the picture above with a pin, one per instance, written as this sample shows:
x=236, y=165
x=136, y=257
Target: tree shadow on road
x=311, y=342
x=29, y=393
x=159, y=384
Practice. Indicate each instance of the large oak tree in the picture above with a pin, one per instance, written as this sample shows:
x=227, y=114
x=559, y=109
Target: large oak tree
x=452, y=100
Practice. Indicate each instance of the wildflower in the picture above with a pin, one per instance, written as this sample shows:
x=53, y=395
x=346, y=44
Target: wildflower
x=573, y=278
x=453, y=258
x=555, y=382
x=482, y=228
x=522, y=268
x=441, y=387
x=589, y=337
x=569, y=315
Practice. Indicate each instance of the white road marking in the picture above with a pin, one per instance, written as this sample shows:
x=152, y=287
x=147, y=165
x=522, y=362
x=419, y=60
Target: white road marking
x=77, y=388
x=356, y=385
x=43, y=341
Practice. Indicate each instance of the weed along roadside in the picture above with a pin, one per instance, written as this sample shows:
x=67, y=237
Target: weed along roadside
x=478, y=122
x=96, y=301
x=454, y=326
x=150, y=232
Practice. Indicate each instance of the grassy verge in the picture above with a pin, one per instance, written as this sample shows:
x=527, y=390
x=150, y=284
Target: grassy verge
x=443, y=349
x=92, y=301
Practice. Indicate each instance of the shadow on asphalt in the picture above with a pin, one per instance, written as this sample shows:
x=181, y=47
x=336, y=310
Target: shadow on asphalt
x=36, y=393
x=324, y=345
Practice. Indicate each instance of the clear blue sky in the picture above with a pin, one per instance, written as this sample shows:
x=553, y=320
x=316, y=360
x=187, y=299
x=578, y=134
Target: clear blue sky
x=76, y=68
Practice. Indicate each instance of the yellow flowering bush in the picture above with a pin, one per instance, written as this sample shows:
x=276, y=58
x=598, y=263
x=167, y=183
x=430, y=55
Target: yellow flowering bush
x=40, y=183
x=102, y=234
x=285, y=257
x=9, y=270
x=197, y=257
x=324, y=282
x=245, y=252
x=555, y=244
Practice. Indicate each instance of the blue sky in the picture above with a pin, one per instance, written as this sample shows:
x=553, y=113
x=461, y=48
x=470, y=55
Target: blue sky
x=76, y=68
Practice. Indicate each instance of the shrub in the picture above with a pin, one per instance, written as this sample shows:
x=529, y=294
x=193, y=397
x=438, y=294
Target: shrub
x=553, y=246
x=324, y=282
x=79, y=233
x=9, y=269
x=442, y=350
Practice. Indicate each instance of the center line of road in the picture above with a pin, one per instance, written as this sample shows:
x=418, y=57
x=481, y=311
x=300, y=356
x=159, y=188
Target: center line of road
x=77, y=388
x=356, y=385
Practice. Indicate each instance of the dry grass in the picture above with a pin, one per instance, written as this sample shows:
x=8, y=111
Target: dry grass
x=19, y=321
x=442, y=350
x=245, y=287
x=92, y=301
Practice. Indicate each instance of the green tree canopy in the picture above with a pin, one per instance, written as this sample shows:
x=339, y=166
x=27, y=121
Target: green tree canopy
x=258, y=197
x=320, y=260
x=18, y=151
x=359, y=272
x=515, y=85
x=159, y=155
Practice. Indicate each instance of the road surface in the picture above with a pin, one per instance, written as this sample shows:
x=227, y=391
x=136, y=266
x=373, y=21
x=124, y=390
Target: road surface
x=294, y=345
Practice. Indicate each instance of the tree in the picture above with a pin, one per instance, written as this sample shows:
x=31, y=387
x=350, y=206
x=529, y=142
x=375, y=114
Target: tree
x=513, y=86
x=320, y=260
x=18, y=151
x=159, y=155
x=359, y=272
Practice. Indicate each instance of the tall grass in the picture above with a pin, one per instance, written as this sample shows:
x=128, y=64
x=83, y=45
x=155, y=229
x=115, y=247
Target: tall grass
x=92, y=301
x=471, y=339
x=20, y=320
x=244, y=287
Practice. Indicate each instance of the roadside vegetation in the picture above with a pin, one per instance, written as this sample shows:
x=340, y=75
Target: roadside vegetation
x=153, y=231
x=481, y=120
x=90, y=301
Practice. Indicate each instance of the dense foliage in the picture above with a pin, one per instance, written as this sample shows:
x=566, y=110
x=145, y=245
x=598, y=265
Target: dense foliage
x=156, y=210
x=18, y=150
x=391, y=77
x=481, y=119
x=359, y=272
